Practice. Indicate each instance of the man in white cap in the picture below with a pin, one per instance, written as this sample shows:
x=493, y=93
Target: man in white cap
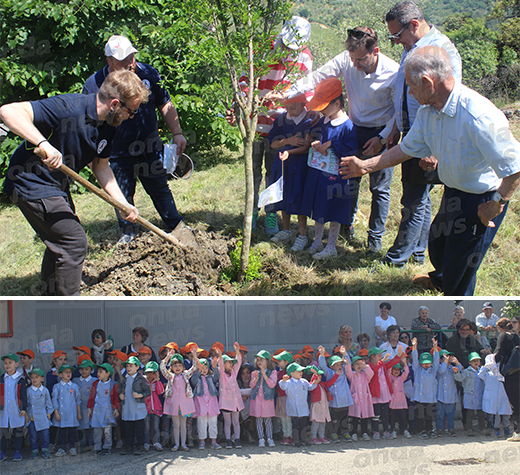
x=137, y=147
x=294, y=36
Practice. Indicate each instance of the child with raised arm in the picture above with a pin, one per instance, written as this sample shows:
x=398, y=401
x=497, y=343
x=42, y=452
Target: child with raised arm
x=39, y=412
x=447, y=392
x=425, y=369
x=230, y=398
x=284, y=359
x=397, y=375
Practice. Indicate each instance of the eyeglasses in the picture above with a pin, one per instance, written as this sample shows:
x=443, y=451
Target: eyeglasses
x=358, y=34
x=96, y=336
x=131, y=112
x=397, y=36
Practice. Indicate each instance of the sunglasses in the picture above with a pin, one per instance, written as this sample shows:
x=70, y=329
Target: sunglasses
x=358, y=34
x=96, y=336
x=132, y=112
x=397, y=36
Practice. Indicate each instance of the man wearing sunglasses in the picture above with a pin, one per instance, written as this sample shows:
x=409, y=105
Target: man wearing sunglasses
x=408, y=27
x=369, y=79
x=137, y=147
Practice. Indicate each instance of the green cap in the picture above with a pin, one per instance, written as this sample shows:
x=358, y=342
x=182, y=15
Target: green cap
x=11, y=356
x=398, y=365
x=355, y=358
x=374, y=351
x=86, y=364
x=132, y=360
x=106, y=367
x=445, y=353
x=425, y=358
x=151, y=367
x=294, y=367
x=335, y=359
x=228, y=358
x=37, y=371
x=309, y=369
x=203, y=361
x=263, y=354
x=284, y=355
x=473, y=356
x=177, y=357
x=64, y=367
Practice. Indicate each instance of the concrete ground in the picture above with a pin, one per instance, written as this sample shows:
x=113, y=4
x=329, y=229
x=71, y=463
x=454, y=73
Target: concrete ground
x=447, y=456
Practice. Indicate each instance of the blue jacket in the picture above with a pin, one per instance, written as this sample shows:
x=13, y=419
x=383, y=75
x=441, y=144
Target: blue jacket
x=198, y=386
x=340, y=390
x=447, y=390
x=268, y=392
x=425, y=385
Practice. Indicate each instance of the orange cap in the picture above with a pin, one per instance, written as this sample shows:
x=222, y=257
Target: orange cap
x=172, y=345
x=307, y=355
x=58, y=353
x=231, y=354
x=301, y=99
x=363, y=352
x=325, y=92
x=145, y=349
x=204, y=354
x=307, y=349
x=278, y=351
x=83, y=348
x=164, y=347
x=218, y=345
x=244, y=348
x=29, y=353
x=118, y=354
x=83, y=358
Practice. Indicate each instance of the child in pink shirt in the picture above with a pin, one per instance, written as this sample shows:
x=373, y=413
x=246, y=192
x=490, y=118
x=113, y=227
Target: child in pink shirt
x=153, y=406
x=398, y=404
x=263, y=383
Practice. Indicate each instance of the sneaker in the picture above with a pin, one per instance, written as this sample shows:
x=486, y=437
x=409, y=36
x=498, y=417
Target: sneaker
x=126, y=450
x=450, y=433
x=354, y=438
x=325, y=254
x=139, y=450
x=157, y=446
x=52, y=448
x=3, y=456
x=119, y=444
x=347, y=437
x=486, y=431
x=439, y=433
x=514, y=438
x=386, y=435
x=285, y=441
x=423, y=434
x=125, y=239
x=327, y=441
x=146, y=447
x=87, y=448
x=366, y=437
x=290, y=440
x=334, y=438
x=229, y=444
x=271, y=224
x=34, y=454
x=407, y=435
x=394, y=434
x=507, y=432
x=46, y=454
x=215, y=446
x=283, y=237
x=202, y=445
x=73, y=452
x=255, y=220
x=238, y=444
x=470, y=433
x=300, y=243
x=175, y=448
x=261, y=443
x=376, y=436
x=433, y=434
x=185, y=448
x=270, y=443
x=17, y=457
x=316, y=441
x=315, y=247
x=106, y=452
x=498, y=433
x=373, y=247
x=190, y=443
x=60, y=453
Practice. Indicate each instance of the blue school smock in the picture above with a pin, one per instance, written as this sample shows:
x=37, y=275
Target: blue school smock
x=425, y=385
x=328, y=197
x=84, y=386
x=132, y=410
x=294, y=168
x=39, y=404
x=103, y=413
x=66, y=399
x=494, y=398
x=340, y=390
x=10, y=414
x=447, y=389
x=473, y=388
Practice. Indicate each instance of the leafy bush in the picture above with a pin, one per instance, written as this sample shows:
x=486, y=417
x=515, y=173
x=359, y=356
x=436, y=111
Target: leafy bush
x=230, y=273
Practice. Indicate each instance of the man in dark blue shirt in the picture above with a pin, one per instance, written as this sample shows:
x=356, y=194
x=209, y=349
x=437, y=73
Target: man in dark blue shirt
x=76, y=130
x=137, y=147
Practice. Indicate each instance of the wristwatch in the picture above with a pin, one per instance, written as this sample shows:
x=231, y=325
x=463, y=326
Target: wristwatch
x=498, y=198
x=383, y=141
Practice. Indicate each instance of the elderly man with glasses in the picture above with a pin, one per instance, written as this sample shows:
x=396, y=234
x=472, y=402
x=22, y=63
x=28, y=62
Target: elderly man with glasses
x=369, y=79
x=137, y=147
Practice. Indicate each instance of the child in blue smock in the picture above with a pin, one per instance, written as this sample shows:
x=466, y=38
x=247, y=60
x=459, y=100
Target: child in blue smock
x=66, y=401
x=290, y=136
x=327, y=197
x=84, y=383
x=39, y=411
x=447, y=392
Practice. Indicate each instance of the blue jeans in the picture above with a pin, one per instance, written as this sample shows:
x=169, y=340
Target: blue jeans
x=153, y=420
x=449, y=410
x=151, y=174
x=263, y=154
x=33, y=434
x=412, y=237
x=459, y=241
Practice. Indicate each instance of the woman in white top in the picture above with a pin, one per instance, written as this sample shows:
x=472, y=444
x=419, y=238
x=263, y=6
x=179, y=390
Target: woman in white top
x=383, y=321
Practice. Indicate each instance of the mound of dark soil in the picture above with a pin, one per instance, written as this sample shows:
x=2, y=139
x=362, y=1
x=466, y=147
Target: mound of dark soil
x=150, y=266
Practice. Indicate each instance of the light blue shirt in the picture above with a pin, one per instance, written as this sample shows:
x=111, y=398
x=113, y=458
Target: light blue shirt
x=473, y=388
x=66, y=399
x=39, y=404
x=447, y=389
x=297, y=391
x=433, y=38
x=340, y=390
x=10, y=416
x=425, y=383
x=470, y=138
x=132, y=410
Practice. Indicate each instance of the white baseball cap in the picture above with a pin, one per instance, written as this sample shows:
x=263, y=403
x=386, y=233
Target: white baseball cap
x=296, y=32
x=119, y=47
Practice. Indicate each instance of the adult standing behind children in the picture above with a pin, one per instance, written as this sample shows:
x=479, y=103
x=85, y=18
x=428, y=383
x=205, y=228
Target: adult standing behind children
x=80, y=129
x=137, y=147
x=382, y=322
x=140, y=335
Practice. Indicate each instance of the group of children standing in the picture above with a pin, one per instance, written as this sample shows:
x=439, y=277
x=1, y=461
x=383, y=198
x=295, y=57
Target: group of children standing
x=337, y=394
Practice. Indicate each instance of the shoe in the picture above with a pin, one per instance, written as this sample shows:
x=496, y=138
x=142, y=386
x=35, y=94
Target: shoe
x=202, y=445
x=270, y=443
x=52, y=448
x=373, y=247
x=157, y=446
x=99, y=452
x=354, y=438
x=315, y=247
x=255, y=220
x=366, y=437
x=376, y=436
x=87, y=448
x=507, y=432
x=17, y=457
x=125, y=239
x=423, y=281
x=285, y=441
x=60, y=453
x=350, y=232
x=387, y=262
x=34, y=454
x=139, y=450
x=283, y=237
x=290, y=440
x=439, y=433
x=215, y=446
x=423, y=434
x=450, y=433
x=470, y=433
x=190, y=443
x=417, y=260
x=498, y=433
x=386, y=435
x=316, y=441
x=394, y=434
x=73, y=452
x=146, y=447
x=514, y=438
x=119, y=444
x=229, y=444
x=3, y=456
x=347, y=437
x=175, y=448
x=407, y=435
x=325, y=254
x=433, y=434
x=185, y=448
x=126, y=450
x=261, y=443
x=300, y=243
x=297, y=444
x=46, y=454
x=238, y=444
x=334, y=438
x=325, y=441
x=486, y=431
x=271, y=224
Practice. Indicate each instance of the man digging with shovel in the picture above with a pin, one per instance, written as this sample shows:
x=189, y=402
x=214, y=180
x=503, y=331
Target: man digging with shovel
x=77, y=130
